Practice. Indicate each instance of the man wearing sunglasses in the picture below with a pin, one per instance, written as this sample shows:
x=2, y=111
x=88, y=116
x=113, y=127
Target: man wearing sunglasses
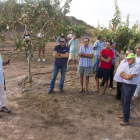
x=130, y=80
x=85, y=53
x=61, y=54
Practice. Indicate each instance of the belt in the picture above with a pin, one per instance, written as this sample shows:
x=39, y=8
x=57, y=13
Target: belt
x=129, y=84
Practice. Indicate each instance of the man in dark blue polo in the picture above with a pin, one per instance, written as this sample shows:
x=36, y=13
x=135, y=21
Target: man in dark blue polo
x=61, y=54
x=130, y=80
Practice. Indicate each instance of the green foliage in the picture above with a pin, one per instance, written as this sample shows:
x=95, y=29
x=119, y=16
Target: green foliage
x=120, y=32
x=46, y=15
x=79, y=30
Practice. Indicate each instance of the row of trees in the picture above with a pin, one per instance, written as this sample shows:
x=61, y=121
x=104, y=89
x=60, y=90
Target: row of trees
x=120, y=32
x=45, y=14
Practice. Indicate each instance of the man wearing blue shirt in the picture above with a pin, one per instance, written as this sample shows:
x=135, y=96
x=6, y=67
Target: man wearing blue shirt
x=130, y=80
x=61, y=54
x=98, y=47
x=73, y=49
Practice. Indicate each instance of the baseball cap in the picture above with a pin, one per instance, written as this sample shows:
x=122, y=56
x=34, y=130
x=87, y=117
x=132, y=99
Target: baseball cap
x=131, y=55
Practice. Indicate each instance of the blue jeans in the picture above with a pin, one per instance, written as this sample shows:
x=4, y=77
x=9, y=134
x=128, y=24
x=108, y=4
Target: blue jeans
x=96, y=63
x=127, y=93
x=27, y=54
x=29, y=51
x=54, y=75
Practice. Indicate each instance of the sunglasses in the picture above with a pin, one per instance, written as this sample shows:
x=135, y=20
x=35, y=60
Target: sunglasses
x=62, y=41
x=85, y=41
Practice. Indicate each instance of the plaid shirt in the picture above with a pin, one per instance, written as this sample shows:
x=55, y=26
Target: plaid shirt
x=133, y=69
x=99, y=45
x=85, y=62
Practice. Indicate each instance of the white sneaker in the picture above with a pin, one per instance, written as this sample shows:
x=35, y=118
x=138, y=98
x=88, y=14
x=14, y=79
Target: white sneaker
x=43, y=59
x=39, y=60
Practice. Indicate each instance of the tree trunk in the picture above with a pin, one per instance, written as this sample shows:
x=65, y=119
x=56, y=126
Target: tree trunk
x=29, y=67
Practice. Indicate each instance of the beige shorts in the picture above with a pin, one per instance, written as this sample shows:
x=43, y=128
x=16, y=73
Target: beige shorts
x=72, y=55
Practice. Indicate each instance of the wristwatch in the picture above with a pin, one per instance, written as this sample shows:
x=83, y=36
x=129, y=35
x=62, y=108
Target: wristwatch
x=59, y=54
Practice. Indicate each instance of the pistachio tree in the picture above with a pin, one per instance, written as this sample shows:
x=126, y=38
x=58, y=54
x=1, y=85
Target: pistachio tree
x=44, y=14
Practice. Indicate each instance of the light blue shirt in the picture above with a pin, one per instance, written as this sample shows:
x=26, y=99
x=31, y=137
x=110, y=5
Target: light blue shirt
x=114, y=59
x=133, y=69
x=85, y=62
x=98, y=45
x=73, y=45
x=1, y=70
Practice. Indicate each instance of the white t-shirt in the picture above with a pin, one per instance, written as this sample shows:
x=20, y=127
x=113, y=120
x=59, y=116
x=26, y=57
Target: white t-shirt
x=70, y=36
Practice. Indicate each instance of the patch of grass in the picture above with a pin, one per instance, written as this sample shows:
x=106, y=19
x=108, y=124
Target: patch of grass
x=109, y=111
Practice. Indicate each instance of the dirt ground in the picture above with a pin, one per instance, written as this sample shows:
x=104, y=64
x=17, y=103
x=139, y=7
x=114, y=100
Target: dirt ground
x=37, y=115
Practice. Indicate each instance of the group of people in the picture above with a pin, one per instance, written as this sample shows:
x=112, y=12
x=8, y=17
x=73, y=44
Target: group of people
x=27, y=41
x=105, y=57
x=127, y=74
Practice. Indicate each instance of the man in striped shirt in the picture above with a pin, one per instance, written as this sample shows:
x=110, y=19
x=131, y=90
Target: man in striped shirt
x=85, y=53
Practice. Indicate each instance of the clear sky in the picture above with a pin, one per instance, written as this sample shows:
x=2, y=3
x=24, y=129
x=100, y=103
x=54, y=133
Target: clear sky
x=92, y=11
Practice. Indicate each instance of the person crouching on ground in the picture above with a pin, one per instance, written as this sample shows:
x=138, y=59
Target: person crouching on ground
x=2, y=89
x=130, y=80
x=73, y=50
x=85, y=53
x=61, y=54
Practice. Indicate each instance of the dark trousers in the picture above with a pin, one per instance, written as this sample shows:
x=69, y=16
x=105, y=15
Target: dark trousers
x=119, y=86
x=111, y=75
x=127, y=93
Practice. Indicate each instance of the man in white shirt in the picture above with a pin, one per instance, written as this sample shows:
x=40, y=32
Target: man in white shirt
x=70, y=36
x=117, y=76
x=138, y=61
x=2, y=87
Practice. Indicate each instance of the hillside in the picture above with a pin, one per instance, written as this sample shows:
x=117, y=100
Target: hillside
x=72, y=20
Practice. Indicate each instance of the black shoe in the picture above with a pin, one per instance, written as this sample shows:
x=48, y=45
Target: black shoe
x=60, y=90
x=102, y=84
x=5, y=110
x=50, y=91
x=110, y=87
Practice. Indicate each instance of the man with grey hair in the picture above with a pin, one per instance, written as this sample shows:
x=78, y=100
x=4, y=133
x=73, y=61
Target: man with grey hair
x=114, y=59
x=130, y=77
x=117, y=76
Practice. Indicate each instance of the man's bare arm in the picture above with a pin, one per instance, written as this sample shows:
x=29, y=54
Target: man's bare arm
x=88, y=55
x=56, y=55
x=66, y=55
x=106, y=60
x=99, y=57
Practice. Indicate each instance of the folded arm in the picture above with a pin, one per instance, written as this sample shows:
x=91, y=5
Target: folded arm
x=56, y=55
x=127, y=77
x=103, y=59
x=86, y=55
